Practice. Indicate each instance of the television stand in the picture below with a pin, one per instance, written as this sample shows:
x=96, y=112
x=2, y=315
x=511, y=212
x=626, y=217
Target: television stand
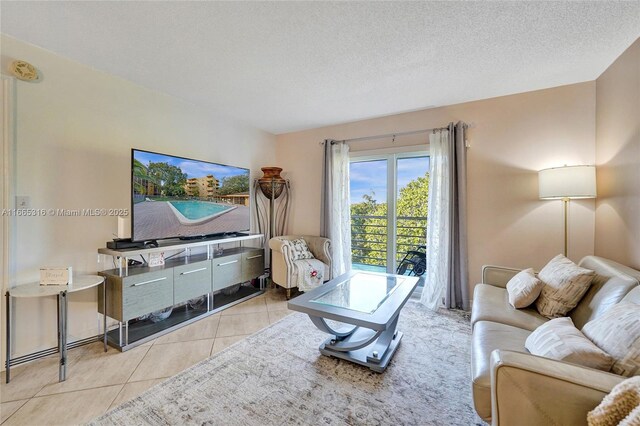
x=206, y=279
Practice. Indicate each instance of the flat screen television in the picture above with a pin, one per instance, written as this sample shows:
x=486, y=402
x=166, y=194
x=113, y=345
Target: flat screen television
x=176, y=197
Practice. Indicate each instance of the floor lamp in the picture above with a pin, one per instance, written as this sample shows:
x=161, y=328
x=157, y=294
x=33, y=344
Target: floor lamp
x=567, y=183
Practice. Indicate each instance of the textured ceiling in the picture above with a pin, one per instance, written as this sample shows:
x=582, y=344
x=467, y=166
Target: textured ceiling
x=293, y=65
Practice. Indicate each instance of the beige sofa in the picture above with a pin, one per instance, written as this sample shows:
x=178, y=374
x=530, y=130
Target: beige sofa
x=284, y=272
x=513, y=387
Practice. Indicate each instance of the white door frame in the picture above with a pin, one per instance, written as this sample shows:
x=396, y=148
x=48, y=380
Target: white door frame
x=391, y=155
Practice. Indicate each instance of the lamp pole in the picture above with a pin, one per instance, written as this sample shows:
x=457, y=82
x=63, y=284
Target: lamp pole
x=565, y=202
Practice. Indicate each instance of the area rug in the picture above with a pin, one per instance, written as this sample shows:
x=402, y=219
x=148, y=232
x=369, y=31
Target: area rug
x=278, y=377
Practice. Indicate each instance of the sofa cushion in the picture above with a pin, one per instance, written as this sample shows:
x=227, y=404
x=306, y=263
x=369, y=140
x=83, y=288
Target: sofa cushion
x=564, y=285
x=524, y=288
x=633, y=296
x=487, y=337
x=491, y=304
x=610, y=284
x=609, y=268
x=560, y=339
x=617, y=332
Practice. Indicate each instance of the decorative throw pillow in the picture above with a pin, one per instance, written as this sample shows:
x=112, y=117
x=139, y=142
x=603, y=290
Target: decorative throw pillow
x=524, y=288
x=617, y=331
x=560, y=339
x=564, y=285
x=299, y=249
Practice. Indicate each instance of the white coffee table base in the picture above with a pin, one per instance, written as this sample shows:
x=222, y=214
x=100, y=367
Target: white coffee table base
x=370, y=348
x=361, y=356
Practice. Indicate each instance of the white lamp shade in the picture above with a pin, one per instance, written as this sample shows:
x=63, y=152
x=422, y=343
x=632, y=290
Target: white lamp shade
x=567, y=182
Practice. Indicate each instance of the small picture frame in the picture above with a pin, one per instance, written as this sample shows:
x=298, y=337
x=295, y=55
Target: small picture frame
x=56, y=275
x=156, y=259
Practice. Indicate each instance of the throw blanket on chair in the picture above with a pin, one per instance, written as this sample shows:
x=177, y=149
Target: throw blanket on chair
x=309, y=273
x=620, y=407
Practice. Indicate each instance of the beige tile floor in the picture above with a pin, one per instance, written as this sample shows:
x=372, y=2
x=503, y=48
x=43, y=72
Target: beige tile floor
x=97, y=381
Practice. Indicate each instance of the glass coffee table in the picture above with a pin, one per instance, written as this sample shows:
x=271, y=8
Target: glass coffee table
x=369, y=305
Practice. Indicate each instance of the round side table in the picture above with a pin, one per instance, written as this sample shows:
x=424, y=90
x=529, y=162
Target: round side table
x=80, y=283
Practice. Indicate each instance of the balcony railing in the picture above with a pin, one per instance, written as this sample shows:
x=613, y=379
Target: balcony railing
x=369, y=238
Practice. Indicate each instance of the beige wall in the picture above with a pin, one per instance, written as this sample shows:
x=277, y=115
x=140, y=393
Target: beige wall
x=618, y=159
x=75, y=130
x=511, y=138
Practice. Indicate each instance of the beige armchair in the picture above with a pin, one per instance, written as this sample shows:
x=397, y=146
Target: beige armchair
x=283, y=272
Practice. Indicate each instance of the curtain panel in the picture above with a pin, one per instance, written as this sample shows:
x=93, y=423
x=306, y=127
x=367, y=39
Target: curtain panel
x=335, y=217
x=446, y=279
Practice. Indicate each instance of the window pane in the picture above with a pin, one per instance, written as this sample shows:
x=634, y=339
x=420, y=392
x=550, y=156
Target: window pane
x=411, y=212
x=368, y=186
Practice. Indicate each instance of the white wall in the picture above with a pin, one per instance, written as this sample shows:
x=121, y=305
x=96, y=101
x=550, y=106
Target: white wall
x=75, y=130
x=512, y=137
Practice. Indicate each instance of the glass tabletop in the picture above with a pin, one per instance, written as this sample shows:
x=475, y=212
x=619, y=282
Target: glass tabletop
x=362, y=292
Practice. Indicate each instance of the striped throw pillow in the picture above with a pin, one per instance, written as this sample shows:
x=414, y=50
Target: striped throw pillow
x=560, y=339
x=617, y=331
x=564, y=285
x=524, y=288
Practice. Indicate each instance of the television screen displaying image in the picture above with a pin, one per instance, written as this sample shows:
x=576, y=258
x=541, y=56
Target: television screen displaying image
x=179, y=197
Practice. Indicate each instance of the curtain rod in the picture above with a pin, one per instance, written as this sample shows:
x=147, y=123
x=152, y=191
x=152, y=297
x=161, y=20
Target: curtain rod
x=393, y=135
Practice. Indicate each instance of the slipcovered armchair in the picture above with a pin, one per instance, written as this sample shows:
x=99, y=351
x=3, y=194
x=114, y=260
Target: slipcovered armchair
x=284, y=272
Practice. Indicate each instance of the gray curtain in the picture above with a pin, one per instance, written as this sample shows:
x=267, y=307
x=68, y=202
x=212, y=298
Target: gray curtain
x=327, y=196
x=457, y=289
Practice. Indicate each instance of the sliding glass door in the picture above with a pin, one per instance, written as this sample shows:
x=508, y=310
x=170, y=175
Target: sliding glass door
x=388, y=209
x=369, y=219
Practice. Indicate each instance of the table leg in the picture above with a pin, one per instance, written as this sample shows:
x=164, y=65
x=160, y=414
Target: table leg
x=371, y=348
x=379, y=350
x=63, y=334
x=104, y=312
x=66, y=331
x=8, y=346
x=59, y=317
x=340, y=333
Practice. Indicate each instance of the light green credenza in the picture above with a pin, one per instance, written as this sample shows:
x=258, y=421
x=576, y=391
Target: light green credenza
x=193, y=285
